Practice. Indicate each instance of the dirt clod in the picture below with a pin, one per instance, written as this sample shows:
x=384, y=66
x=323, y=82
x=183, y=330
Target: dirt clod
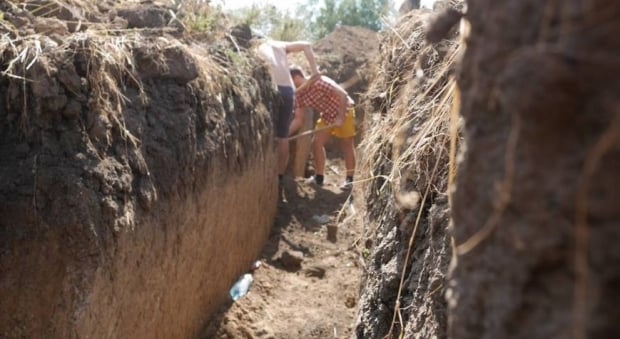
x=351, y=301
x=141, y=16
x=291, y=260
x=332, y=233
x=314, y=271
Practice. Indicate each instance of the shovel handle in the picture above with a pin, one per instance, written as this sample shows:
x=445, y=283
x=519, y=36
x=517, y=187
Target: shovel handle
x=308, y=132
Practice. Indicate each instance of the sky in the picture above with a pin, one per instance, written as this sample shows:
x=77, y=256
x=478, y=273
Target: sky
x=285, y=5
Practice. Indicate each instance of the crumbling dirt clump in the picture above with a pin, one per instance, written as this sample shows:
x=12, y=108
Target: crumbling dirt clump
x=536, y=217
x=122, y=154
x=406, y=154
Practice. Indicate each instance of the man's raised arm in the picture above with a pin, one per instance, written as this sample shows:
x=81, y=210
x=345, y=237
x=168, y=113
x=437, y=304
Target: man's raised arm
x=306, y=47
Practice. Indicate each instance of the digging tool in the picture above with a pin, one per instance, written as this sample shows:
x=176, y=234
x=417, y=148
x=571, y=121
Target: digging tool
x=352, y=81
x=309, y=132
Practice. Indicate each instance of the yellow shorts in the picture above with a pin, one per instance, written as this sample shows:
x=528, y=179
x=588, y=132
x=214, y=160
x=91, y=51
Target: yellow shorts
x=347, y=130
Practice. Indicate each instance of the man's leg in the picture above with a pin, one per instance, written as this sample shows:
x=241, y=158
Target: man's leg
x=283, y=154
x=318, y=152
x=346, y=134
x=285, y=114
x=347, y=146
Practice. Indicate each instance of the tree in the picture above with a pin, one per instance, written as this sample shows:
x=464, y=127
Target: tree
x=273, y=22
x=323, y=16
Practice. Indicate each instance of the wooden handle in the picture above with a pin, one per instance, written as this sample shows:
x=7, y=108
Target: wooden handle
x=312, y=131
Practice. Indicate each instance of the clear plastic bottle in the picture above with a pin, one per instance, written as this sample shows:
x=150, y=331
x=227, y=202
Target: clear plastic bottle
x=241, y=287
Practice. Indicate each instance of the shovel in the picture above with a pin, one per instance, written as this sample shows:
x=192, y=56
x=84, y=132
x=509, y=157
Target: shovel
x=312, y=131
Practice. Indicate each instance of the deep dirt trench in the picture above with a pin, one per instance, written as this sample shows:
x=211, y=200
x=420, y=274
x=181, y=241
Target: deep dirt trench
x=136, y=185
x=316, y=299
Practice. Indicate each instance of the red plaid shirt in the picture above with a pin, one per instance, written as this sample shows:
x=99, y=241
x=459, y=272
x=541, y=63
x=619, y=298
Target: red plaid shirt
x=323, y=97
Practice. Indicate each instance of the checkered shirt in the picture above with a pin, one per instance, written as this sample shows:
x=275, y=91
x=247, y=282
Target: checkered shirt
x=323, y=97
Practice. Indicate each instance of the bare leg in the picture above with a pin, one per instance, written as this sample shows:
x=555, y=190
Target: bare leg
x=283, y=153
x=318, y=151
x=348, y=151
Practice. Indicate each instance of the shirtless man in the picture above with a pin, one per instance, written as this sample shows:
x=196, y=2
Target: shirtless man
x=275, y=55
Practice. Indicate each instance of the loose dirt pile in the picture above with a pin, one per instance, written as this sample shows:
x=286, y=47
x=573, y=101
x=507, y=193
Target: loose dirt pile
x=536, y=215
x=124, y=146
x=406, y=155
x=347, y=53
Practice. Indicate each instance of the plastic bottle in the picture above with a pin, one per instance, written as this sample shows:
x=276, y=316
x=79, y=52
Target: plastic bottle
x=241, y=287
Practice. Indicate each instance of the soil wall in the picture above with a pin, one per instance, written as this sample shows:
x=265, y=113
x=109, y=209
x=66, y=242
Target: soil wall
x=536, y=217
x=137, y=181
x=405, y=156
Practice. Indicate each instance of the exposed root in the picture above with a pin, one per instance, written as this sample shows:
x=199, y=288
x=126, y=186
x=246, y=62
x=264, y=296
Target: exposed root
x=504, y=192
x=607, y=141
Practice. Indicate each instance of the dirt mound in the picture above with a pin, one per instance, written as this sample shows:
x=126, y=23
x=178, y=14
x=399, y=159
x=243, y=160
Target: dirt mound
x=406, y=153
x=536, y=203
x=348, y=56
x=349, y=52
x=123, y=151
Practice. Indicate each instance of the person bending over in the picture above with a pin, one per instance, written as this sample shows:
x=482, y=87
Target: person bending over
x=274, y=53
x=337, y=118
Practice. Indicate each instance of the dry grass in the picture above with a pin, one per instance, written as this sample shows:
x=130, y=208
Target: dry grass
x=415, y=90
x=201, y=19
x=109, y=56
x=80, y=9
x=109, y=62
x=411, y=143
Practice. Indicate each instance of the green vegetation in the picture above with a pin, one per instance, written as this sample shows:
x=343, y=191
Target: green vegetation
x=200, y=17
x=366, y=13
x=273, y=22
x=315, y=18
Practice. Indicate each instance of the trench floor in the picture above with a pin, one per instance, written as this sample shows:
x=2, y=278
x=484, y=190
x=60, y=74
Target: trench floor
x=318, y=298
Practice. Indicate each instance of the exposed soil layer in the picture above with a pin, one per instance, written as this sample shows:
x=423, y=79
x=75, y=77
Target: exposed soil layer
x=137, y=178
x=535, y=210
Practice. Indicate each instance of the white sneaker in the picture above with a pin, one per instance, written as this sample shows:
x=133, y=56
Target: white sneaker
x=346, y=185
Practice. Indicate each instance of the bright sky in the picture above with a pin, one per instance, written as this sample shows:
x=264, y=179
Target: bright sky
x=289, y=4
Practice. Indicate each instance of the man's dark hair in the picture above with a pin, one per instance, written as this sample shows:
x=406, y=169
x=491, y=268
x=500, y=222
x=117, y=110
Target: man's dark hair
x=297, y=71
